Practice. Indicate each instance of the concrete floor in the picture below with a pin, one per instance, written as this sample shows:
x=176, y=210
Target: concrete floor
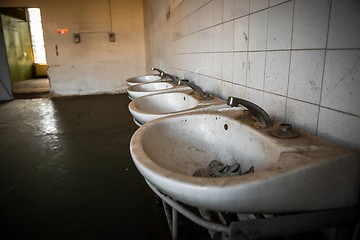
x=66, y=173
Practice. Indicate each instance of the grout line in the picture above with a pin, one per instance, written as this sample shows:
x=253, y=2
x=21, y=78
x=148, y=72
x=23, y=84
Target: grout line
x=233, y=55
x=267, y=33
x=290, y=57
x=247, y=53
x=323, y=72
x=276, y=50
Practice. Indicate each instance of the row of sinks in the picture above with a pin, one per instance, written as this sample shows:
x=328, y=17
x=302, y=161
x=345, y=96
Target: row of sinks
x=145, y=89
x=180, y=132
x=159, y=97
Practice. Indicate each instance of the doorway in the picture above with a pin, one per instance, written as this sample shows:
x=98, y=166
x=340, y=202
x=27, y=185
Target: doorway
x=25, y=51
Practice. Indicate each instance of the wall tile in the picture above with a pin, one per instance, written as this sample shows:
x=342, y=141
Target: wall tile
x=256, y=70
x=200, y=80
x=185, y=27
x=242, y=8
x=255, y=96
x=206, y=16
x=344, y=31
x=207, y=83
x=275, y=2
x=226, y=89
x=184, y=44
x=306, y=72
x=228, y=36
x=194, y=20
x=187, y=7
x=310, y=24
x=218, y=38
x=192, y=77
x=179, y=73
x=228, y=10
x=277, y=72
x=216, y=88
x=177, y=46
x=257, y=5
x=207, y=38
x=218, y=64
x=240, y=68
x=176, y=61
x=202, y=42
x=176, y=32
x=239, y=91
x=280, y=27
x=258, y=30
x=218, y=13
x=341, y=87
x=302, y=115
x=241, y=34
x=203, y=2
x=206, y=64
x=193, y=62
x=274, y=105
x=227, y=68
x=339, y=127
x=194, y=43
x=204, y=82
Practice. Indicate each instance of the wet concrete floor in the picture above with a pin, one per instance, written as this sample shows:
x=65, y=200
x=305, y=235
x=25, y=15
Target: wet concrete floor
x=66, y=172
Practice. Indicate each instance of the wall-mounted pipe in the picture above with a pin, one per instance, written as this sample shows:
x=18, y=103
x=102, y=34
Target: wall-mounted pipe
x=110, y=16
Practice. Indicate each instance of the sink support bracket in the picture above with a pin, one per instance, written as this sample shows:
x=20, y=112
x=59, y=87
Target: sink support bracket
x=345, y=220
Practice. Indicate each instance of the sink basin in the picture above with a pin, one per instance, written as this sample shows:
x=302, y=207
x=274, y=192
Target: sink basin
x=290, y=175
x=145, y=89
x=142, y=79
x=147, y=108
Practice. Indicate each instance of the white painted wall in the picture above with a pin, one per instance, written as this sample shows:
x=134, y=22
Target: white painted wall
x=95, y=65
x=298, y=59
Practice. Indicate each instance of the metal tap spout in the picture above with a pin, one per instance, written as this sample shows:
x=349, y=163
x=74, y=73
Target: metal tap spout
x=204, y=95
x=257, y=111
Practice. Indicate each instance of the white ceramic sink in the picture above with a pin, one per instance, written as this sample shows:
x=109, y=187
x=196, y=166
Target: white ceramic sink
x=142, y=79
x=291, y=175
x=147, y=108
x=145, y=89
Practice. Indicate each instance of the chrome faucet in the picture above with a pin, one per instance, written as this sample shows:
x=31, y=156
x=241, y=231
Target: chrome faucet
x=204, y=95
x=257, y=111
x=174, y=78
x=158, y=70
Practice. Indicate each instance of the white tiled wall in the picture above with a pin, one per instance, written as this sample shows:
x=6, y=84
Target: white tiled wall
x=298, y=59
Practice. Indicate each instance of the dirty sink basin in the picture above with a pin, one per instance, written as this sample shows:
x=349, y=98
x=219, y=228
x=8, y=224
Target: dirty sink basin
x=145, y=89
x=147, y=108
x=143, y=79
x=290, y=175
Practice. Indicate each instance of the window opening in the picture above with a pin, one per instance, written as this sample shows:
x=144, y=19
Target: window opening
x=37, y=35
